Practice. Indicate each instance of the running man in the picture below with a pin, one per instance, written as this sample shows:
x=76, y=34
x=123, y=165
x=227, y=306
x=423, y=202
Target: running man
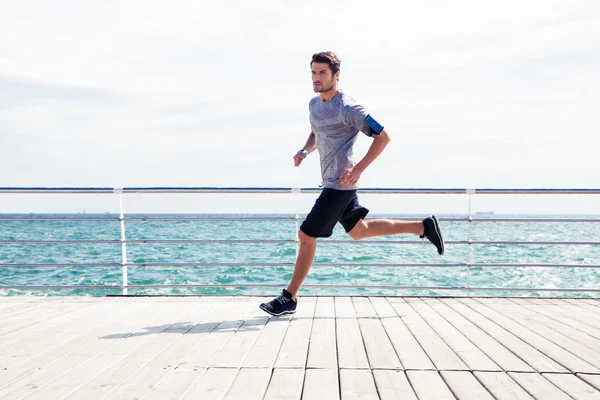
x=336, y=119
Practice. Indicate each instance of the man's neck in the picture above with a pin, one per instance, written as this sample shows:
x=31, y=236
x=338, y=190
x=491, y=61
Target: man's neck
x=329, y=94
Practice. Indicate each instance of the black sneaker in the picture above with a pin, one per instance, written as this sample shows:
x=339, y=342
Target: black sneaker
x=433, y=233
x=282, y=304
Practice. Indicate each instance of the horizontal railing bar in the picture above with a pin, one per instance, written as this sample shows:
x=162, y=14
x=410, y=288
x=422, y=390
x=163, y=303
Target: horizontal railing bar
x=61, y=219
x=59, y=265
x=371, y=265
x=473, y=242
x=494, y=242
x=211, y=241
x=66, y=287
x=494, y=265
x=314, y=286
x=529, y=219
x=105, y=190
x=213, y=218
x=406, y=218
x=28, y=242
x=289, y=264
x=292, y=218
x=284, y=241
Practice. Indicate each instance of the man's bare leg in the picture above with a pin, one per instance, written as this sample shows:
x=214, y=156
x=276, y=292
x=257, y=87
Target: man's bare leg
x=428, y=228
x=384, y=227
x=306, y=255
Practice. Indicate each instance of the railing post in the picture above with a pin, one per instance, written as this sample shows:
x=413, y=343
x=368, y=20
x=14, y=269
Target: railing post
x=123, y=243
x=296, y=191
x=470, y=193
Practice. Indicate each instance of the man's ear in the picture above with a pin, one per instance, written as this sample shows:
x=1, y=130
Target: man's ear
x=337, y=76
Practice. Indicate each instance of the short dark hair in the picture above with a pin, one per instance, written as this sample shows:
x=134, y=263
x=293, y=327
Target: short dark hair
x=327, y=57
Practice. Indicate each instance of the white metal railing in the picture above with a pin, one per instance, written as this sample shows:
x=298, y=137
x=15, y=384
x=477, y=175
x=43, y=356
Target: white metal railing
x=231, y=190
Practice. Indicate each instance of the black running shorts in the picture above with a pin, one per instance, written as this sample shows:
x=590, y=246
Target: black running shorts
x=331, y=207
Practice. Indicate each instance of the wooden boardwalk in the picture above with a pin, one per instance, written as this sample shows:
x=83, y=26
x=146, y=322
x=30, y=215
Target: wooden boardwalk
x=333, y=348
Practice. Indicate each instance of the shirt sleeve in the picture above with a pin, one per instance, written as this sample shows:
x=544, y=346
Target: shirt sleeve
x=354, y=115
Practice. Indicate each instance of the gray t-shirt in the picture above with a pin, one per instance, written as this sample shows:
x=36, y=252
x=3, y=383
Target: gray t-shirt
x=336, y=124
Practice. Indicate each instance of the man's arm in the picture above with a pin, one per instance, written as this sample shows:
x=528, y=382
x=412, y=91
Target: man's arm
x=309, y=146
x=351, y=176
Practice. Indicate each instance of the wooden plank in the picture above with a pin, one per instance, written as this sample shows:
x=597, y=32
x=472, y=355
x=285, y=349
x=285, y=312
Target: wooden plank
x=235, y=351
x=212, y=385
x=322, y=352
x=351, y=349
x=593, y=380
x=62, y=329
x=344, y=308
x=520, y=348
x=147, y=376
x=538, y=386
x=325, y=307
x=464, y=385
x=266, y=347
x=393, y=385
x=175, y=384
x=357, y=385
x=249, y=384
x=183, y=374
x=37, y=315
x=156, y=339
x=321, y=384
x=501, y=386
x=587, y=302
x=118, y=345
x=589, y=313
x=286, y=384
x=576, y=302
x=487, y=343
x=556, y=313
x=437, y=350
x=380, y=352
x=21, y=381
x=17, y=305
x=294, y=349
x=42, y=352
x=33, y=332
x=542, y=301
x=217, y=334
x=408, y=349
x=573, y=386
x=469, y=353
x=573, y=340
x=9, y=310
x=562, y=356
x=428, y=385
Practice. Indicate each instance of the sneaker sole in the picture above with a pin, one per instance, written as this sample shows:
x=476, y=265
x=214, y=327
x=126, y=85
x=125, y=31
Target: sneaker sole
x=438, y=232
x=275, y=314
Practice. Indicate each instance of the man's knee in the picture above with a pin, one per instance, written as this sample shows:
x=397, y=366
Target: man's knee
x=359, y=231
x=306, y=240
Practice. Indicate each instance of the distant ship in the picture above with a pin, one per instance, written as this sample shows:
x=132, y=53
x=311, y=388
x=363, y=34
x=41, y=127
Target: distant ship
x=484, y=213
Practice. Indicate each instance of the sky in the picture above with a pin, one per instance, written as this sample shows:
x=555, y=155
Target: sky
x=475, y=94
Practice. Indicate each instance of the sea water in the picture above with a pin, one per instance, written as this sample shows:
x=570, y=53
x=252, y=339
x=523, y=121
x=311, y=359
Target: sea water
x=234, y=228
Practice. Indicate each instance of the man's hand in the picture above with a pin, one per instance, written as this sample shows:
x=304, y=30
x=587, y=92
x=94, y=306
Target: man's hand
x=351, y=176
x=298, y=157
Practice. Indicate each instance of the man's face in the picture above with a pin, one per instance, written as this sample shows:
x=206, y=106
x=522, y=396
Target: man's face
x=322, y=77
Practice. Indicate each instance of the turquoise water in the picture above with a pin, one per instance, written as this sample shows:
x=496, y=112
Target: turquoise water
x=525, y=277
